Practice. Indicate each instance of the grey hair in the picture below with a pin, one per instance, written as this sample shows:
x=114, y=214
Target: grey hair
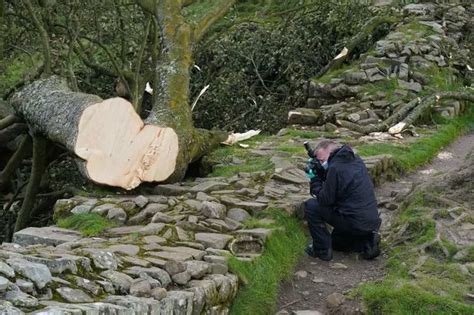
x=324, y=145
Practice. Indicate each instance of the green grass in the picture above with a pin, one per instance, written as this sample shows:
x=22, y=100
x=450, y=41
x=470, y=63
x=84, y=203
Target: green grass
x=261, y=278
x=252, y=164
x=89, y=224
x=305, y=134
x=410, y=156
x=439, y=288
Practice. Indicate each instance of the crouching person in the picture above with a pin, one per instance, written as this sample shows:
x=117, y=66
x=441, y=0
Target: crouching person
x=344, y=198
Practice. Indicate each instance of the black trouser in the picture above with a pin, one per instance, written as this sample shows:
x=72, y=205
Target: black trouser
x=343, y=238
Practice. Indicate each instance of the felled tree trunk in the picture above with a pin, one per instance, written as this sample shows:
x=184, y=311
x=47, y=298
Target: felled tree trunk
x=114, y=144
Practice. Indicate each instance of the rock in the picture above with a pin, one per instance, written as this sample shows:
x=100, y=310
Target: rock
x=81, y=209
x=354, y=117
x=238, y=214
x=66, y=263
x=337, y=266
x=292, y=176
x=163, y=218
x=102, y=259
x=103, y=209
x=282, y=312
x=261, y=233
x=126, y=249
x=212, y=209
x=304, y=116
x=197, y=269
x=154, y=239
x=26, y=286
x=74, y=295
x=318, y=280
x=216, y=259
x=120, y=281
x=117, y=215
x=221, y=269
x=4, y=283
x=214, y=240
x=246, y=205
x=195, y=253
x=6, y=270
x=151, y=229
x=422, y=9
x=38, y=273
x=182, y=277
x=88, y=285
x=156, y=273
x=173, y=267
x=158, y=293
x=301, y=274
x=461, y=255
x=342, y=90
x=171, y=190
x=208, y=186
x=150, y=210
x=330, y=127
x=50, y=236
x=307, y=312
x=411, y=86
x=7, y=308
x=355, y=78
x=140, y=288
x=141, y=201
x=334, y=300
x=167, y=255
x=107, y=286
x=21, y=299
x=135, y=261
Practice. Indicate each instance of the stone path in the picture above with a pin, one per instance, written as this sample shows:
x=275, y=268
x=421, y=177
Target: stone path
x=322, y=287
x=168, y=251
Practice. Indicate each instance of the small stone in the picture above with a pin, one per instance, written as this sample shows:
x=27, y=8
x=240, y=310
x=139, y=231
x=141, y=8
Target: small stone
x=318, y=280
x=74, y=295
x=126, y=249
x=221, y=269
x=162, y=217
x=26, y=286
x=156, y=273
x=158, y=293
x=212, y=209
x=182, y=277
x=334, y=300
x=81, y=209
x=140, y=288
x=214, y=240
x=337, y=266
x=301, y=274
x=88, y=285
x=197, y=269
x=4, y=283
x=173, y=267
x=238, y=214
x=330, y=127
x=411, y=86
x=20, y=299
x=103, y=209
x=120, y=281
x=38, y=273
x=6, y=270
x=117, y=215
x=307, y=312
x=102, y=259
x=141, y=201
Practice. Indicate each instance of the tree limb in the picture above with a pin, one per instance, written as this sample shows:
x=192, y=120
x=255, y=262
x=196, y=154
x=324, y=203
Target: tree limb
x=44, y=37
x=38, y=167
x=203, y=25
x=8, y=121
x=21, y=152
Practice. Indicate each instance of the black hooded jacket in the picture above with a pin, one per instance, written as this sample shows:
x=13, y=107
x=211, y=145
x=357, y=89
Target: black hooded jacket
x=348, y=189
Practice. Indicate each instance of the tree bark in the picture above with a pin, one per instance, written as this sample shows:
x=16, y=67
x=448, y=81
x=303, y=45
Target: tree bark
x=115, y=147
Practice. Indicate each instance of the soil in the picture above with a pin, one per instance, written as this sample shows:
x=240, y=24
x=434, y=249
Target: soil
x=314, y=280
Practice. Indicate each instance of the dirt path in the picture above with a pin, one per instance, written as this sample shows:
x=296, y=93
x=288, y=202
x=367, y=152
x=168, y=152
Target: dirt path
x=315, y=280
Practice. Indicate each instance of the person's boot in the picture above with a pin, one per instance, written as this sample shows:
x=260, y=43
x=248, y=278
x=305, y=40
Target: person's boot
x=372, y=246
x=323, y=254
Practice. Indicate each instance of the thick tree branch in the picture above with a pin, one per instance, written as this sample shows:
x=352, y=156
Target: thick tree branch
x=39, y=165
x=44, y=37
x=203, y=25
x=8, y=121
x=15, y=161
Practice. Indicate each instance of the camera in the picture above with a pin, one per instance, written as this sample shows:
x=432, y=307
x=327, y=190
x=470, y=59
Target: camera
x=313, y=166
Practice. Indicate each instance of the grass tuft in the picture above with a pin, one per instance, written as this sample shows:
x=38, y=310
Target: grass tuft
x=261, y=278
x=89, y=224
x=410, y=156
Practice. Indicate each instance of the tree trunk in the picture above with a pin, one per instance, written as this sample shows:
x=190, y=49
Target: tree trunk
x=171, y=106
x=115, y=146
